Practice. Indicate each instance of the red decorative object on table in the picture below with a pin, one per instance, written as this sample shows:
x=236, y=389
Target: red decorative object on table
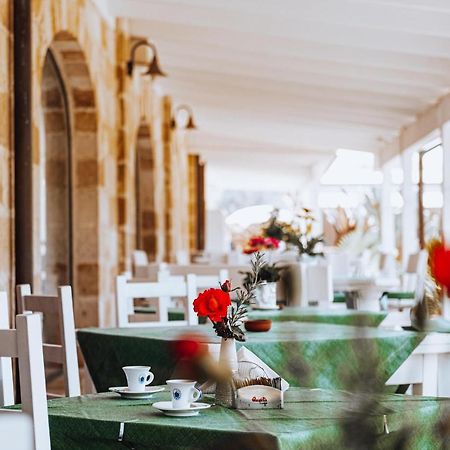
x=440, y=266
x=260, y=243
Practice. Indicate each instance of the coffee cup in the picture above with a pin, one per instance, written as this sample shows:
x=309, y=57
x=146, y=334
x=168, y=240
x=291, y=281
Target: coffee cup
x=183, y=393
x=138, y=377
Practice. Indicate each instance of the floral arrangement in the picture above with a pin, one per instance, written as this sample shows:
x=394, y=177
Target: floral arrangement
x=298, y=235
x=261, y=243
x=227, y=315
x=440, y=265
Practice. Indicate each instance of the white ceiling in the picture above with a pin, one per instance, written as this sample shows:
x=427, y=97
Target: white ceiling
x=296, y=78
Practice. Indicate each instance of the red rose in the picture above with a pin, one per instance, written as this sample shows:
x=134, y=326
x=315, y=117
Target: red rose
x=440, y=266
x=212, y=303
x=226, y=286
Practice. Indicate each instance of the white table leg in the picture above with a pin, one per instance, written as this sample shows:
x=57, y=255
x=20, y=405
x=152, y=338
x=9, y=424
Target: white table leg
x=430, y=374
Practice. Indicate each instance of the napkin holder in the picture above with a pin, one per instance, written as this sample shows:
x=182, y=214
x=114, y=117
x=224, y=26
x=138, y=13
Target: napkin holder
x=259, y=397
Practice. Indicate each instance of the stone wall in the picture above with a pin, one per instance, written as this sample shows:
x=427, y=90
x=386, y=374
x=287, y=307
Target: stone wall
x=107, y=113
x=6, y=158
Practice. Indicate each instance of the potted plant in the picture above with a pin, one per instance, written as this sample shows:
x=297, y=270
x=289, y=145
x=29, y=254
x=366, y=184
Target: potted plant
x=266, y=290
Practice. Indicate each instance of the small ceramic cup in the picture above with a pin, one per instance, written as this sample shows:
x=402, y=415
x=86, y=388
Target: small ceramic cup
x=183, y=393
x=138, y=377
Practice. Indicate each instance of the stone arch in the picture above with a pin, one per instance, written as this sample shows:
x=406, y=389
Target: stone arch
x=146, y=226
x=84, y=173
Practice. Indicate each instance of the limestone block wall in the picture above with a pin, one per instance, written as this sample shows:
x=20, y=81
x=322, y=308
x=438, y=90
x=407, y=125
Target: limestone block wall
x=85, y=50
x=6, y=159
x=107, y=111
x=140, y=118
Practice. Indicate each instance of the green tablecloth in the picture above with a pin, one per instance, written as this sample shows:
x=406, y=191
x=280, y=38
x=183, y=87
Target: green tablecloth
x=336, y=316
x=312, y=419
x=305, y=354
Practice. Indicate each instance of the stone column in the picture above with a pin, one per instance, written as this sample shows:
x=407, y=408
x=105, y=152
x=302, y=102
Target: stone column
x=387, y=222
x=445, y=130
x=193, y=161
x=410, y=209
x=167, y=160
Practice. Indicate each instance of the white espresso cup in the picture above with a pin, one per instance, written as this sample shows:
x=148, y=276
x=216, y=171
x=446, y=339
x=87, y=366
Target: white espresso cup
x=183, y=393
x=138, y=377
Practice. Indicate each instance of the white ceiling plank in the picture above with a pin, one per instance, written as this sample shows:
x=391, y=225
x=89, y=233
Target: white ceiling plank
x=247, y=43
x=298, y=78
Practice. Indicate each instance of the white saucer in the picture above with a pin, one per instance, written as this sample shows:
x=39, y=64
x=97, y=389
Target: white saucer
x=168, y=410
x=133, y=395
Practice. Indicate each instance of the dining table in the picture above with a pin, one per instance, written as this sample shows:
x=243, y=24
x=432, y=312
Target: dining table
x=320, y=315
x=337, y=315
x=316, y=355
x=311, y=418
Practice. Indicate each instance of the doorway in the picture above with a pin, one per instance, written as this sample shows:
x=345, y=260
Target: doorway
x=55, y=184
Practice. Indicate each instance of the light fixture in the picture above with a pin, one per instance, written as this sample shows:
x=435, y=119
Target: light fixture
x=190, y=124
x=153, y=68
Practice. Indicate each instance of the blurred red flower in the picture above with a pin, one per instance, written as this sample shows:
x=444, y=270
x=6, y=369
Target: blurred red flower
x=440, y=266
x=187, y=347
x=271, y=242
x=212, y=303
x=258, y=243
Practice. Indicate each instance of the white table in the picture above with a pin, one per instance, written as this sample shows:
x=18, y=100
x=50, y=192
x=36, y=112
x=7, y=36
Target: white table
x=369, y=289
x=427, y=369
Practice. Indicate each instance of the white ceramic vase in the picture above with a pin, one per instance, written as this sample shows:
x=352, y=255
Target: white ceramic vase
x=228, y=355
x=227, y=359
x=266, y=296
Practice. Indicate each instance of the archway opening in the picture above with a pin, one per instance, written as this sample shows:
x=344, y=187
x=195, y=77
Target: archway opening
x=67, y=190
x=55, y=196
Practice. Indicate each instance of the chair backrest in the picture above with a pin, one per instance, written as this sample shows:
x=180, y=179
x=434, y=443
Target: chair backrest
x=16, y=429
x=25, y=343
x=6, y=377
x=139, y=258
x=319, y=285
x=201, y=281
x=57, y=309
x=415, y=272
x=163, y=291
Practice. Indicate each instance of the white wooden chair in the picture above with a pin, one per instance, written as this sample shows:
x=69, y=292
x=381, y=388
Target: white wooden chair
x=163, y=291
x=60, y=310
x=139, y=258
x=413, y=284
x=201, y=281
x=6, y=377
x=25, y=343
x=16, y=429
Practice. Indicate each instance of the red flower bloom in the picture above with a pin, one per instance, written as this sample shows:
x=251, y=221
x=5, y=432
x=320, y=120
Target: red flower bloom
x=440, y=265
x=187, y=347
x=226, y=286
x=271, y=242
x=258, y=243
x=212, y=303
